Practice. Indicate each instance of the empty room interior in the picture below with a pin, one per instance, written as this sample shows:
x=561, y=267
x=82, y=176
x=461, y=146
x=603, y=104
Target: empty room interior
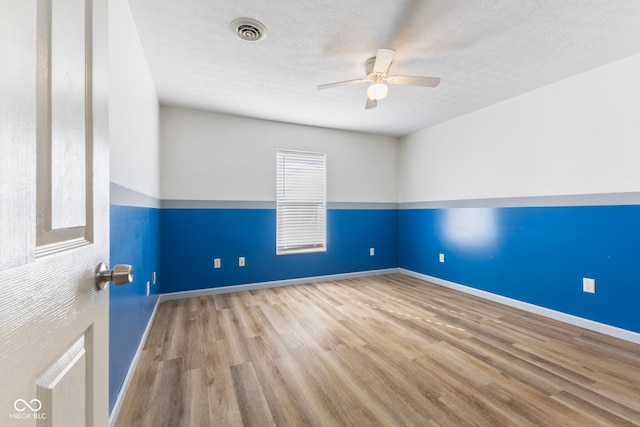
x=374, y=213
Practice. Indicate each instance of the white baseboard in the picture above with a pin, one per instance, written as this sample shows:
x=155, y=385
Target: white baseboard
x=274, y=284
x=113, y=416
x=602, y=328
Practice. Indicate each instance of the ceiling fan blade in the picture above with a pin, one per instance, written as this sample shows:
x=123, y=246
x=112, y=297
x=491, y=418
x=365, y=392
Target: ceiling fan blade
x=344, y=83
x=414, y=81
x=383, y=60
x=371, y=103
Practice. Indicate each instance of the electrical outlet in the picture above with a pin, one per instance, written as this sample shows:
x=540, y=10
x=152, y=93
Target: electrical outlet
x=441, y=258
x=153, y=278
x=148, y=288
x=372, y=251
x=588, y=285
x=217, y=263
x=241, y=261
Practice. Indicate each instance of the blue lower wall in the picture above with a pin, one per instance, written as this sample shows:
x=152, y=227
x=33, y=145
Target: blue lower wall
x=135, y=237
x=192, y=238
x=537, y=255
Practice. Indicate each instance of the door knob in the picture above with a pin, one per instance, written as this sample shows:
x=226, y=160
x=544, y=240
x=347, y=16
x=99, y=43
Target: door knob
x=120, y=275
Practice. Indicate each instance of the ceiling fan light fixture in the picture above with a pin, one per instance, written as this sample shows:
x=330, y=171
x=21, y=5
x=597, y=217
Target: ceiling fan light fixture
x=377, y=69
x=377, y=91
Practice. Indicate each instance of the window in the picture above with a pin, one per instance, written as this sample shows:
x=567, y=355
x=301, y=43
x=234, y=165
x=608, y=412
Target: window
x=301, y=207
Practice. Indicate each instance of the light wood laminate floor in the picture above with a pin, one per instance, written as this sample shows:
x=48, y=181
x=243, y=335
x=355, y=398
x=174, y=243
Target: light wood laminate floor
x=377, y=351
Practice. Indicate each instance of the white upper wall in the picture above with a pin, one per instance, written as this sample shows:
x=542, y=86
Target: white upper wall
x=133, y=107
x=577, y=136
x=209, y=156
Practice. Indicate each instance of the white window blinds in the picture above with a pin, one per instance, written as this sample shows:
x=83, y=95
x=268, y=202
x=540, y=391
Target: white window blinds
x=301, y=202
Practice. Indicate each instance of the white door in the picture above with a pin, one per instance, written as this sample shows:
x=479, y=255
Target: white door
x=53, y=212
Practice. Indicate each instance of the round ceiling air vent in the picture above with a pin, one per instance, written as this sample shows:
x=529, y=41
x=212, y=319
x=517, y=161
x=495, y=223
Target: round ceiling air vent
x=249, y=29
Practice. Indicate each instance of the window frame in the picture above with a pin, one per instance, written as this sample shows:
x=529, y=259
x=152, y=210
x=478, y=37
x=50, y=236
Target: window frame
x=315, y=201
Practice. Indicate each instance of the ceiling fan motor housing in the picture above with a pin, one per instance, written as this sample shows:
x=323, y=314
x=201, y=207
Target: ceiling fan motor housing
x=372, y=75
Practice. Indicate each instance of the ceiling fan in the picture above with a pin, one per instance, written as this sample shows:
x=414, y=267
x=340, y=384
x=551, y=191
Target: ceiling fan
x=376, y=72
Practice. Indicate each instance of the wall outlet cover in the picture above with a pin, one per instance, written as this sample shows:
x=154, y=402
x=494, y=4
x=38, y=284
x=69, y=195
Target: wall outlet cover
x=589, y=285
x=441, y=258
x=217, y=263
x=372, y=251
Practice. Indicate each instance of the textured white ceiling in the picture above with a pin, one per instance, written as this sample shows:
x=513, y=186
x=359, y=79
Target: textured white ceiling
x=485, y=51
